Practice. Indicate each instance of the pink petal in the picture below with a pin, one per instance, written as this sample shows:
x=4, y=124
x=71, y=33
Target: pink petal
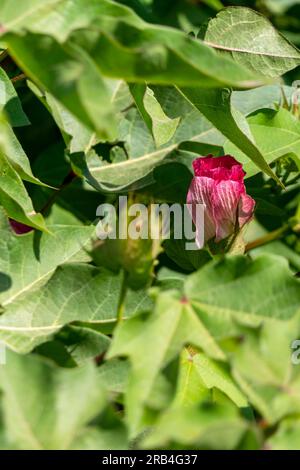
x=246, y=209
x=226, y=199
x=219, y=168
x=200, y=192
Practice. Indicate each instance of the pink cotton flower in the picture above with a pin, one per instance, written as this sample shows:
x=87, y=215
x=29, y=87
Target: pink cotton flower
x=218, y=184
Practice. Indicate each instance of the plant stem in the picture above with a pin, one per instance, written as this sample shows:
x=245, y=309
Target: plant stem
x=270, y=237
x=122, y=298
x=3, y=55
x=18, y=78
x=285, y=103
x=209, y=251
x=68, y=180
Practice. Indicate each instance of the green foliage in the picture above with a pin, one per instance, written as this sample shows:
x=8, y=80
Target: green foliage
x=122, y=344
x=252, y=41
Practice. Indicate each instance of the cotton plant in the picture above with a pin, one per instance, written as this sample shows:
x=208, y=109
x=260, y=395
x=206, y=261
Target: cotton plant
x=116, y=340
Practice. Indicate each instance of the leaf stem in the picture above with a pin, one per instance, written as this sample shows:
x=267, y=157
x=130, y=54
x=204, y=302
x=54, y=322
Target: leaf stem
x=122, y=298
x=270, y=237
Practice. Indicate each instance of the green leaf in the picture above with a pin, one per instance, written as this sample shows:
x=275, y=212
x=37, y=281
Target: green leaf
x=251, y=40
x=173, y=325
x=114, y=375
x=217, y=298
x=76, y=292
x=171, y=180
x=34, y=257
x=206, y=427
x=142, y=155
x=39, y=16
x=70, y=76
x=56, y=352
x=12, y=150
x=77, y=68
x=187, y=259
x=15, y=199
x=190, y=388
x=168, y=279
x=217, y=108
x=83, y=343
x=249, y=291
x=202, y=374
x=287, y=436
x=10, y=103
x=263, y=368
x=47, y=407
x=215, y=4
x=269, y=96
x=29, y=9
x=95, y=438
x=122, y=35
x=279, y=247
x=280, y=6
x=51, y=165
x=78, y=137
x=159, y=124
x=276, y=133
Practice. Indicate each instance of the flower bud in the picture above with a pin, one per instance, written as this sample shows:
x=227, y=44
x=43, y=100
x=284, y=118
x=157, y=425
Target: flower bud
x=218, y=184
